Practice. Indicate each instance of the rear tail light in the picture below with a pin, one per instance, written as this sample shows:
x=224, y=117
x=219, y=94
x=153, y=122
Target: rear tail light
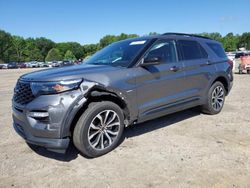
x=231, y=63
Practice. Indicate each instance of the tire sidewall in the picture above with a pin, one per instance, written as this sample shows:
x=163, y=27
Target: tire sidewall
x=86, y=120
x=211, y=109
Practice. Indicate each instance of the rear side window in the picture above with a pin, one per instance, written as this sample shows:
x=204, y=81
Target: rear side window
x=191, y=50
x=217, y=48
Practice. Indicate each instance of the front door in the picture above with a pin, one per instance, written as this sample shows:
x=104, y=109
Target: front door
x=162, y=85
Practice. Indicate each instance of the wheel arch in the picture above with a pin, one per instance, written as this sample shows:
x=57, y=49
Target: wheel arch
x=223, y=80
x=98, y=95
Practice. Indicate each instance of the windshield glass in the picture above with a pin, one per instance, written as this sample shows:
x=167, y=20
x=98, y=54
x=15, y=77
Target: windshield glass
x=118, y=54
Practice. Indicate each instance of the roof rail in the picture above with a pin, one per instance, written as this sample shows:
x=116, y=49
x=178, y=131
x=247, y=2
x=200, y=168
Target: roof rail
x=187, y=35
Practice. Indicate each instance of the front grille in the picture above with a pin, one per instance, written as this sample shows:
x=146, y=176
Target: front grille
x=22, y=93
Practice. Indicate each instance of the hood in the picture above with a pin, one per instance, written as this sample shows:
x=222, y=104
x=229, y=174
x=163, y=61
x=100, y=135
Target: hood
x=66, y=73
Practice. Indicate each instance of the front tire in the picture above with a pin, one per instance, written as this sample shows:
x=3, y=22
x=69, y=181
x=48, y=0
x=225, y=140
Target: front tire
x=215, y=99
x=99, y=129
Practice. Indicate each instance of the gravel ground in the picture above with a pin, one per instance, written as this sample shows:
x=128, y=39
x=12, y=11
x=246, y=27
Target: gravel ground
x=185, y=149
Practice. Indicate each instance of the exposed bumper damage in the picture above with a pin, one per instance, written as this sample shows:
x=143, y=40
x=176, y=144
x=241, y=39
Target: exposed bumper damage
x=41, y=122
x=46, y=121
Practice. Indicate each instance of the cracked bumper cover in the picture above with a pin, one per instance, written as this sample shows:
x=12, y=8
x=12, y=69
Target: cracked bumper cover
x=57, y=145
x=53, y=131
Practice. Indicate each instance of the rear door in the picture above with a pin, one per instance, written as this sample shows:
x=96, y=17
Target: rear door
x=160, y=85
x=197, y=66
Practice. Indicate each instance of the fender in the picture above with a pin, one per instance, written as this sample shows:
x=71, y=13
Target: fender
x=71, y=114
x=223, y=77
x=90, y=90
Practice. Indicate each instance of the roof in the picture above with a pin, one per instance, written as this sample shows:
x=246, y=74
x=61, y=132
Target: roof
x=172, y=35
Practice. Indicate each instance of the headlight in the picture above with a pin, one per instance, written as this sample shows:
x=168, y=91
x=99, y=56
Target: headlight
x=46, y=88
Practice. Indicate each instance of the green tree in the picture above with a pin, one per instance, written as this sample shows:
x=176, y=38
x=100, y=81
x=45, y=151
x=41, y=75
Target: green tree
x=31, y=51
x=69, y=56
x=74, y=47
x=18, y=45
x=215, y=35
x=106, y=40
x=44, y=45
x=5, y=44
x=244, y=40
x=15, y=48
x=230, y=42
x=124, y=36
x=153, y=33
x=90, y=49
x=53, y=55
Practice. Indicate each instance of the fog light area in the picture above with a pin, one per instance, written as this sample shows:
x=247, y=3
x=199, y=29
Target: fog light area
x=38, y=114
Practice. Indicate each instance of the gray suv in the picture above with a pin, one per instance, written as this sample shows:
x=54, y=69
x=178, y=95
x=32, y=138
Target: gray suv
x=127, y=82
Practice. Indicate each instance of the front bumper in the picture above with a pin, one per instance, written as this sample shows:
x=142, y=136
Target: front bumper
x=56, y=145
x=51, y=132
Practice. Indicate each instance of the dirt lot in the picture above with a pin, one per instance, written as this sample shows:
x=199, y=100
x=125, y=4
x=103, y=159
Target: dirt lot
x=186, y=149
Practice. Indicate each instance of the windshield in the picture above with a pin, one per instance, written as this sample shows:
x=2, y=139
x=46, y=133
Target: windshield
x=118, y=54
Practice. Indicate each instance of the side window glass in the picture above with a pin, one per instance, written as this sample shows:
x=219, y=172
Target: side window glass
x=192, y=50
x=165, y=50
x=203, y=52
x=218, y=49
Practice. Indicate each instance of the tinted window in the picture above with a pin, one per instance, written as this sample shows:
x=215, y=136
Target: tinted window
x=165, y=50
x=192, y=50
x=217, y=48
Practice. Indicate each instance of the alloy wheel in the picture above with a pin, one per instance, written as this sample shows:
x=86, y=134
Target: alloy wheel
x=104, y=129
x=218, y=98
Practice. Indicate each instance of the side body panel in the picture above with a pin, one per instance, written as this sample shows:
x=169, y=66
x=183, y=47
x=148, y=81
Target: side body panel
x=163, y=88
x=198, y=72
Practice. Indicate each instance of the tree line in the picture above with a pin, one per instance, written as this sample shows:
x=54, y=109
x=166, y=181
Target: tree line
x=18, y=49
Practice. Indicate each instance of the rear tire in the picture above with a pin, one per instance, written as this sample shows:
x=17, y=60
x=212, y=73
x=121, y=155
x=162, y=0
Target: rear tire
x=99, y=129
x=215, y=99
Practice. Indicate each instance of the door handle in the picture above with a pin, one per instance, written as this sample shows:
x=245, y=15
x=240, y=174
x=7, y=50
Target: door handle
x=209, y=62
x=174, y=68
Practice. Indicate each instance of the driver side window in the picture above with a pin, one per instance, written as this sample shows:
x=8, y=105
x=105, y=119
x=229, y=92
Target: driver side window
x=164, y=50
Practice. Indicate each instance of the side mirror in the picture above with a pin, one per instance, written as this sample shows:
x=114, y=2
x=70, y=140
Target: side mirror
x=151, y=61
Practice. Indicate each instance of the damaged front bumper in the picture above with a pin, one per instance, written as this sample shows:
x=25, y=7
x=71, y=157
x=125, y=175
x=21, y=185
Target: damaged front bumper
x=56, y=145
x=46, y=120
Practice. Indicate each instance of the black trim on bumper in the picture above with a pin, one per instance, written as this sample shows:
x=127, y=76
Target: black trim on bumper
x=56, y=145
